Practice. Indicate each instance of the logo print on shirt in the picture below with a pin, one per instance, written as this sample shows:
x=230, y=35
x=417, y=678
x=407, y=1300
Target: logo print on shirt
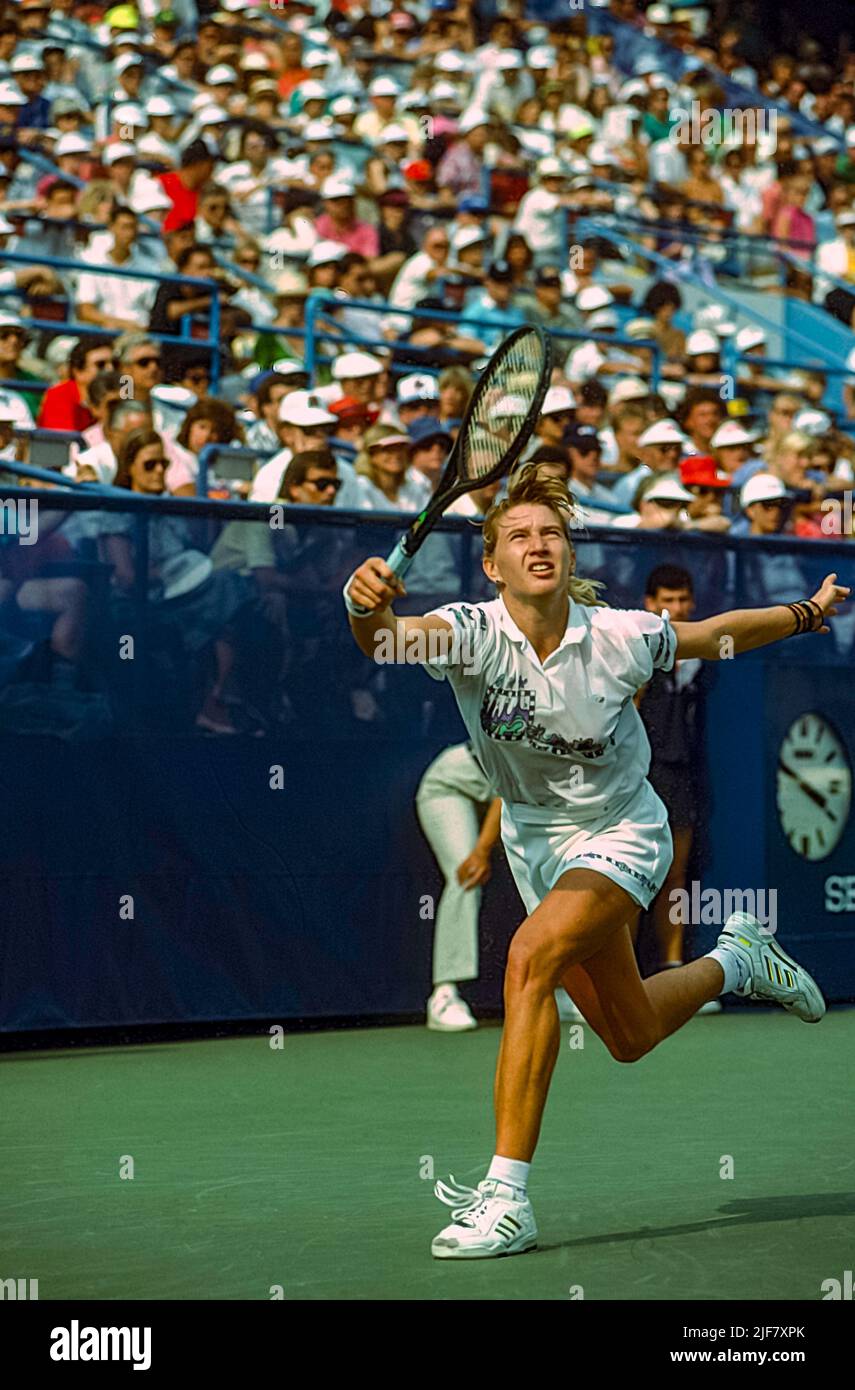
x=555, y=743
x=507, y=711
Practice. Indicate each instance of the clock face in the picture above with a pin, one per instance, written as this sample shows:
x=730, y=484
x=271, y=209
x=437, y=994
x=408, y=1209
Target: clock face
x=814, y=787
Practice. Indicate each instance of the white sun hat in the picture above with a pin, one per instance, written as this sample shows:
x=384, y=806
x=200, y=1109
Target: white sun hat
x=730, y=435
x=748, y=338
x=702, y=341
x=303, y=409
x=667, y=490
x=356, y=364
x=662, y=432
x=557, y=400
x=812, y=422
x=593, y=297
x=417, y=387
x=763, y=487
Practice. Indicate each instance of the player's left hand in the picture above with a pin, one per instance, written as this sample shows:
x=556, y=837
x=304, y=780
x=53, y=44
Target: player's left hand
x=474, y=870
x=828, y=595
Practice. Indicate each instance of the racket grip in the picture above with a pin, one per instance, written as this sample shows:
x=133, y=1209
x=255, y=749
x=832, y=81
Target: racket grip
x=399, y=562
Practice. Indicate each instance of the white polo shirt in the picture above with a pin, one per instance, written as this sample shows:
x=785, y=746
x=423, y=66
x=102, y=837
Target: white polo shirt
x=564, y=734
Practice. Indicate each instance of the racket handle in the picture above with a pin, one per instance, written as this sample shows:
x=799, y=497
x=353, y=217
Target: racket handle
x=399, y=562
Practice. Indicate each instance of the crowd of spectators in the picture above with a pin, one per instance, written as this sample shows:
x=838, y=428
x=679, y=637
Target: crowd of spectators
x=411, y=181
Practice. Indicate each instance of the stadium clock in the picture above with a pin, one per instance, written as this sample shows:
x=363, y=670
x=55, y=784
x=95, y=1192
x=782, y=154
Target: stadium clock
x=814, y=787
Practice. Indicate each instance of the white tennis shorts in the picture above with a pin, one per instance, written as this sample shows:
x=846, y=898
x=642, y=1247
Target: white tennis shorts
x=635, y=850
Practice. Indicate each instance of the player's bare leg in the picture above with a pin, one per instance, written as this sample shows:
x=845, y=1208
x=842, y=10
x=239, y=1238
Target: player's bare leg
x=583, y=921
x=579, y=935
x=667, y=930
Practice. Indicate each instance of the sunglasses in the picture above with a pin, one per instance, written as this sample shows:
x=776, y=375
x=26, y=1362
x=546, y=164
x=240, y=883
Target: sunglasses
x=150, y=464
x=325, y=484
x=698, y=490
x=151, y=361
x=775, y=505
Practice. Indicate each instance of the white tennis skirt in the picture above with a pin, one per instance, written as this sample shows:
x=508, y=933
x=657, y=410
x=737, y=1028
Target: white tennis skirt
x=635, y=850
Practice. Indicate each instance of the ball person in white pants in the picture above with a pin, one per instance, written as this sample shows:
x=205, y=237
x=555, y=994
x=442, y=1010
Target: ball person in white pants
x=546, y=688
x=450, y=805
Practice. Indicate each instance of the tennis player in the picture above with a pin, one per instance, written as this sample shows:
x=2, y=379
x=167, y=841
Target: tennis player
x=545, y=680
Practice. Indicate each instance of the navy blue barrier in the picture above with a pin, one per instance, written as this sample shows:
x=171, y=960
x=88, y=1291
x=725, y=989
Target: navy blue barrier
x=155, y=870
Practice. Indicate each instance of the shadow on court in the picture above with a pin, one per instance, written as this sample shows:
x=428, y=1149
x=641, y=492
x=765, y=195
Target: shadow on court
x=755, y=1211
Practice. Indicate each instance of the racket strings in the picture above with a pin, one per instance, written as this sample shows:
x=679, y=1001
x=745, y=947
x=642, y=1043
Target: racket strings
x=505, y=396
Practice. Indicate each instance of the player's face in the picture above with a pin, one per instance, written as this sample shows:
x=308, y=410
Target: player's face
x=532, y=557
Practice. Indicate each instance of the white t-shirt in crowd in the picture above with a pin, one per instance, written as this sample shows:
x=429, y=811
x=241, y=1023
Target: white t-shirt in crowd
x=116, y=296
x=539, y=221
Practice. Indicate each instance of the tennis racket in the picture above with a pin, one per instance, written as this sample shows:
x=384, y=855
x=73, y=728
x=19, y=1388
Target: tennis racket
x=498, y=423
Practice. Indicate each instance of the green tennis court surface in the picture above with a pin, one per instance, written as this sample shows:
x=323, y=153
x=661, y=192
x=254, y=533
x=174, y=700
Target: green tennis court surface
x=301, y=1167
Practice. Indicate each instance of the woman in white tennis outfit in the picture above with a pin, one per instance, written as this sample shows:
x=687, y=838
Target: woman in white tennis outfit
x=545, y=677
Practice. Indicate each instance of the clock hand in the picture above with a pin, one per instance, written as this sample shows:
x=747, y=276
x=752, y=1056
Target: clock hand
x=809, y=791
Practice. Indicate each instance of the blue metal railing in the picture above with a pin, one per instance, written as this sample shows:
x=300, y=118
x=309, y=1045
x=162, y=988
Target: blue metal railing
x=56, y=478
x=722, y=296
x=210, y=287
x=316, y=303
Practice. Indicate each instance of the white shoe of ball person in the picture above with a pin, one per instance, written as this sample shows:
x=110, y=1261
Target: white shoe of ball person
x=448, y=1013
x=767, y=971
x=491, y=1219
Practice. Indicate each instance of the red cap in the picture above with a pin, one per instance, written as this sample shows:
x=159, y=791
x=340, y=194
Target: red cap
x=701, y=470
x=418, y=170
x=351, y=410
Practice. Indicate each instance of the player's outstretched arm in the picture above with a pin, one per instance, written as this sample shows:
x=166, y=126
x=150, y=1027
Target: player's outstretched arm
x=743, y=629
x=375, y=586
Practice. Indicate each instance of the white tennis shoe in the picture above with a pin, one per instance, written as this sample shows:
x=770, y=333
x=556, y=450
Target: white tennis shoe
x=488, y=1220
x=771, y=973
x=448, y=1013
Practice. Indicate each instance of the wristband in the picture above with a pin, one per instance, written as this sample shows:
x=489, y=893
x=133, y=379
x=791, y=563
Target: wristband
x=819, y=616
x=808, y=616
x=353, y=608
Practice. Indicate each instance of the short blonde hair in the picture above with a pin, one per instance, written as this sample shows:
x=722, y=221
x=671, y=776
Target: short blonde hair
x=795, y=442
x=529, y=487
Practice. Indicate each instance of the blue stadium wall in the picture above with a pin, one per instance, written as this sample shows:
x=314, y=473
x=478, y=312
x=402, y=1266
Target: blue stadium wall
x=304, y=902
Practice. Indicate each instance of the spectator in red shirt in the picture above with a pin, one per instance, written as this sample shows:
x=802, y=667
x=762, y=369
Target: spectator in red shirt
x=182, y=186
x=338, y=221
x=292, y=72
x=66, y=405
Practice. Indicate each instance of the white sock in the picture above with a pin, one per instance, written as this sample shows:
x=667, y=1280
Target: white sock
x=735, y=973
x=510, y=1170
